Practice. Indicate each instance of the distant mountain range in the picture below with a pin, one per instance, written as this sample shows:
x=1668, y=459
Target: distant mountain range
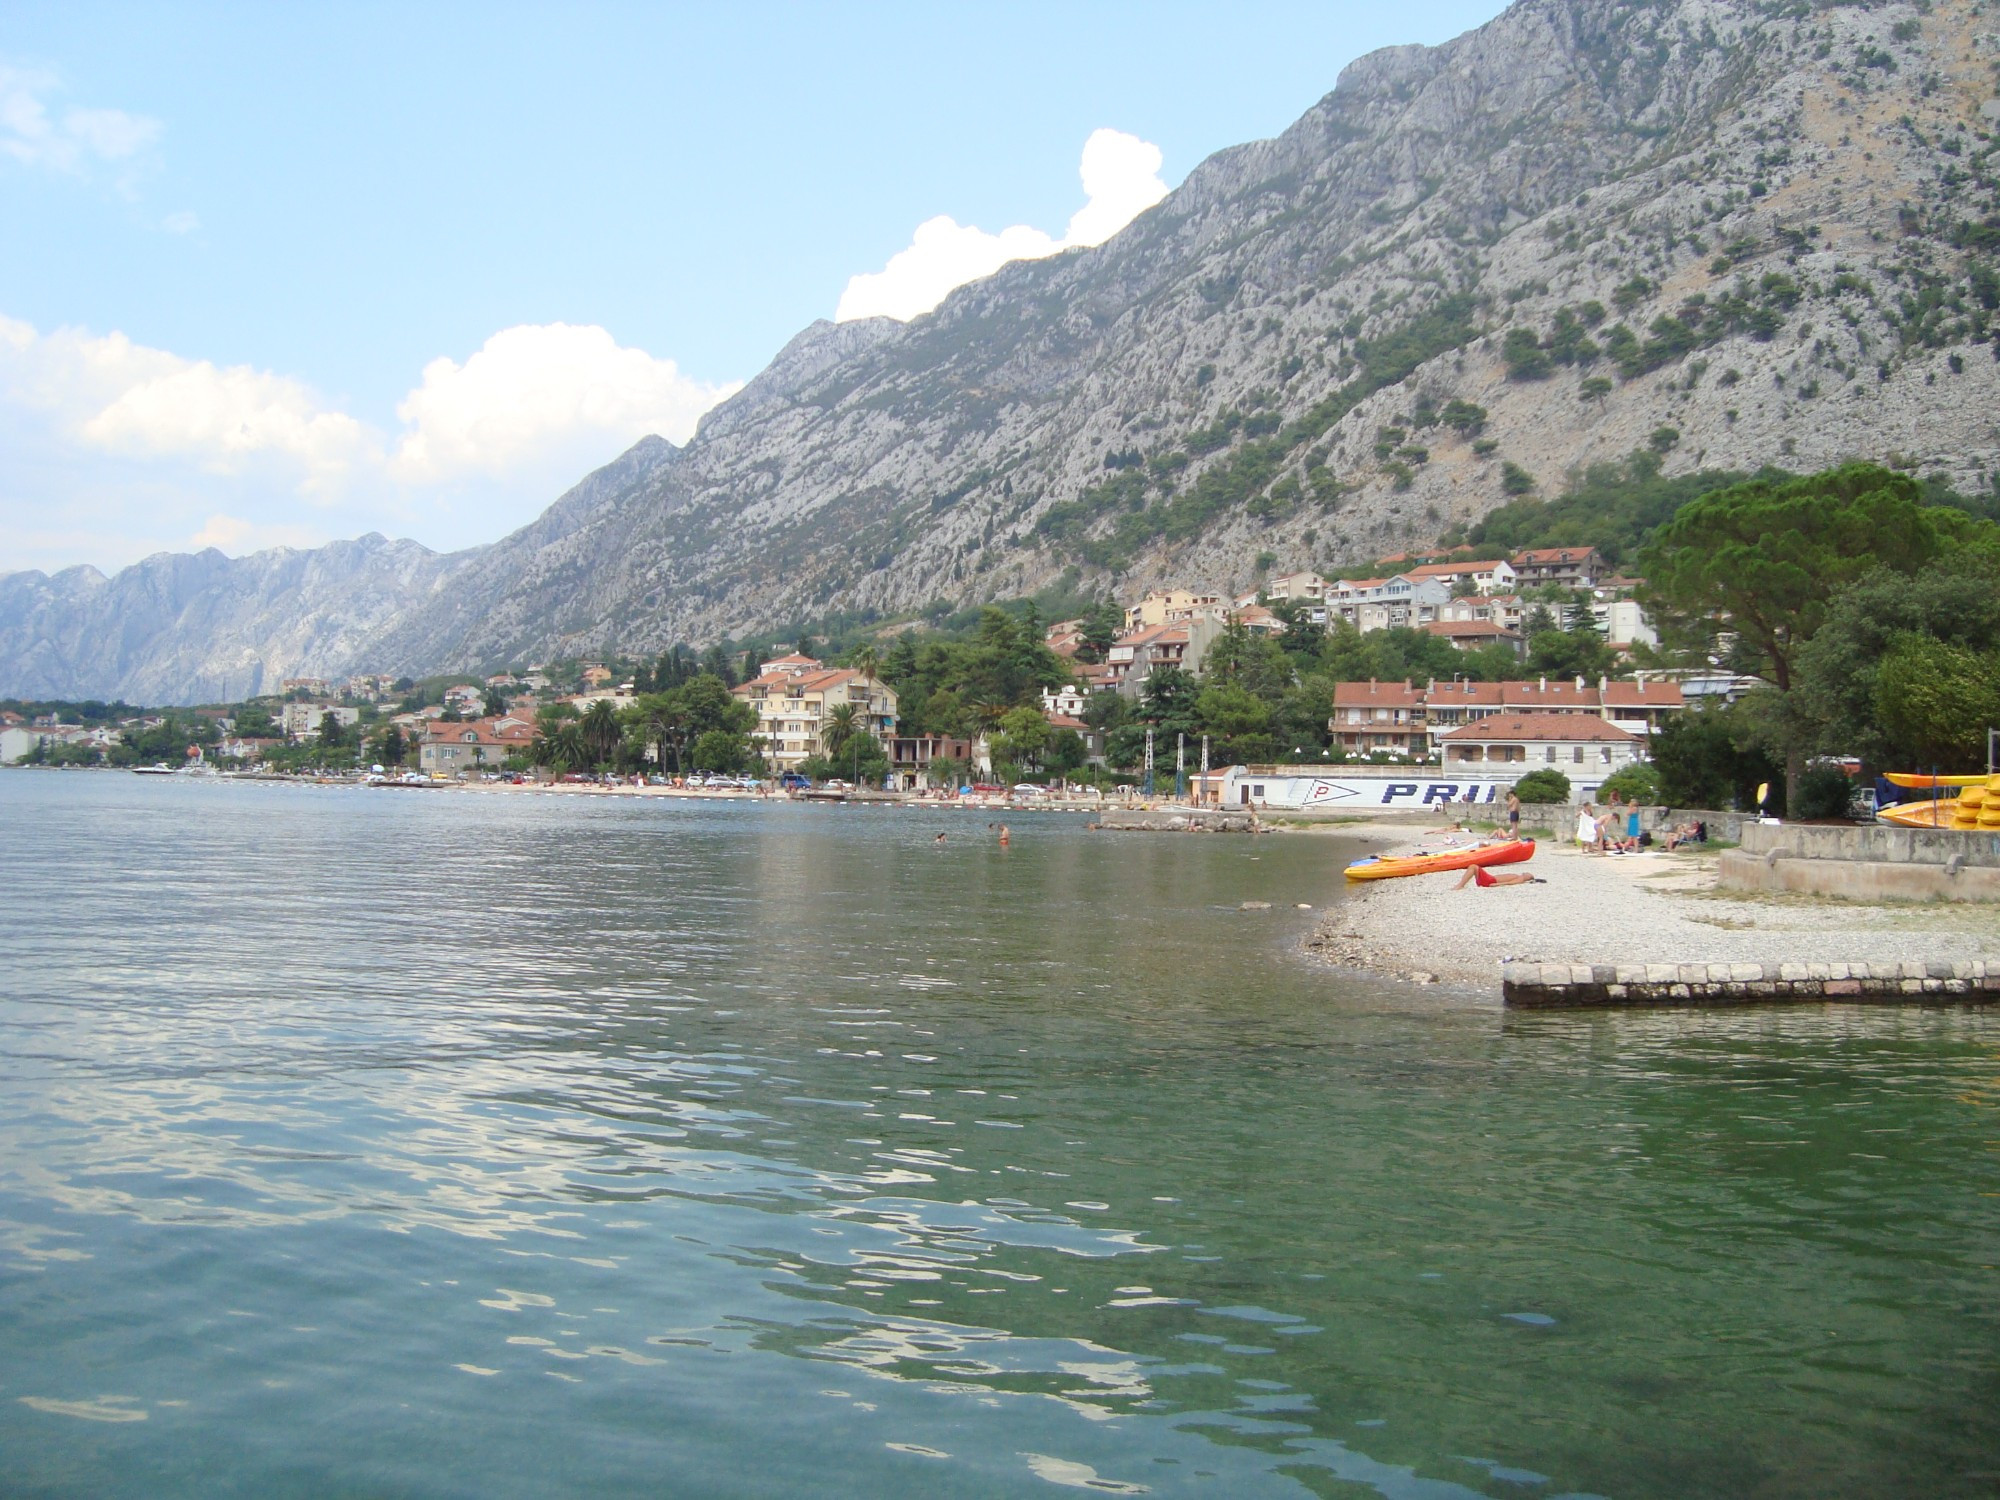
x=1725, y=233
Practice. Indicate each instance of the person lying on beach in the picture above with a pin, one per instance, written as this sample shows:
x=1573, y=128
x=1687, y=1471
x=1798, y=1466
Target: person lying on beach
x=1681, y=833
x=1483, y=877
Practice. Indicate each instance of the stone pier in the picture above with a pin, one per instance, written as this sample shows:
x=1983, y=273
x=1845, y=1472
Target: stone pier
x=1579, y=986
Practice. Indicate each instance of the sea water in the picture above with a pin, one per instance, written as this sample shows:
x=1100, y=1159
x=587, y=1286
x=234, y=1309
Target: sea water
x=360, y=1142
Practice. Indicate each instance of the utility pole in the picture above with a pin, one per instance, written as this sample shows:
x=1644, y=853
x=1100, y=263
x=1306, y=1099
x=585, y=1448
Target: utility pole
x=1180, y=767
x=1149, y=760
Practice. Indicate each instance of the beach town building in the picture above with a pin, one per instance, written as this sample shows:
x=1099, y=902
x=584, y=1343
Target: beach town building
x=473, y=745
x=314, y=687
x=1257, y=620
x=1495, y=576
x=301, y=721
x=1306, y=589
x=245, y=746
x=1385, y=603
x=1574, y=744
x=465, y=697
x=1067, y=699
x=1472, y=635
x=911, y=757
x=1157, y=607
x=1135, y=656
x=1387, y=716
x=19, y=741
x=596, y=675
x=795, y=698
x=1408, y=719
x=1623, y=623
x=1093, y=739
x=1568, y=567
x=1064, y=638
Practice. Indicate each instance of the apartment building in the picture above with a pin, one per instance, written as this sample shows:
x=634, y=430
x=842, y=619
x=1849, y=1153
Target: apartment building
x=1570, y=567
x=1413, y=720
x=795, y=698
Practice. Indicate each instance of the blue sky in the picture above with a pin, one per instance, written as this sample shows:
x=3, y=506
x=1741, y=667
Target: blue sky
x=241, y=239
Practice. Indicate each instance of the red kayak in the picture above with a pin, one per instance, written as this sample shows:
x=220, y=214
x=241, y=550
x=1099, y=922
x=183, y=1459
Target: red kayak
x=1506, y=852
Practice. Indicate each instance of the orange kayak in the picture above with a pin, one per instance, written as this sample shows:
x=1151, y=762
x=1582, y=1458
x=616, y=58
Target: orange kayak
x=1915, y=781
x=1508, y=852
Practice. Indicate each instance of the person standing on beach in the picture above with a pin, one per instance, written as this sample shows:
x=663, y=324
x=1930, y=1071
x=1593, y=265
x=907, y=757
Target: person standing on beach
x=1586, y=829
x=1513, y=814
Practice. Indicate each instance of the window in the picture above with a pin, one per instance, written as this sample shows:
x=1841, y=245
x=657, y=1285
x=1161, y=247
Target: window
x=1576, y=755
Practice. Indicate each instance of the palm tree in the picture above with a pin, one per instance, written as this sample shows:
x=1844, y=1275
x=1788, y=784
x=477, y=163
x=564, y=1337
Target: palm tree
x=838, y=729
x=600, y=732
x=559, y=746
x=866, y=660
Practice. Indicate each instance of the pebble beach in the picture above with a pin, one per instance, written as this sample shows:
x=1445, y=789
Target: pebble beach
x=1624, y=909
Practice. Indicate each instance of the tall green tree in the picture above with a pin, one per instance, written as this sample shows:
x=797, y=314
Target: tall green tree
x=1766, y=557
x=1024, y=734
x=1955, y=601
x=1937, y=701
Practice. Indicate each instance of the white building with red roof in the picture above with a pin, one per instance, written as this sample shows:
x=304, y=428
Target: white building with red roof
x=1578, y=745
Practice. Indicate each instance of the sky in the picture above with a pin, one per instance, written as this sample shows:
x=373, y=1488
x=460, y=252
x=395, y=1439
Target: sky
x=275, y=274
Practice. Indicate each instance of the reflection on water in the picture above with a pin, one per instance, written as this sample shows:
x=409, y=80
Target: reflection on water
x=518, y=1146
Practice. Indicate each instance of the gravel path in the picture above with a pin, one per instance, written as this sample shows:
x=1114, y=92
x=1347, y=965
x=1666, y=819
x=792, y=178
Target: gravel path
x=1623, y=909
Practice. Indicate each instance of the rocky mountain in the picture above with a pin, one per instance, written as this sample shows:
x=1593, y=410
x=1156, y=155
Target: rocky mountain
x=1720, y=232
x=181, y=628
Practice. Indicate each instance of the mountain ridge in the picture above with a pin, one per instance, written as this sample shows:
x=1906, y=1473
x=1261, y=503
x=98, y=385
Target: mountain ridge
x=1723, y=233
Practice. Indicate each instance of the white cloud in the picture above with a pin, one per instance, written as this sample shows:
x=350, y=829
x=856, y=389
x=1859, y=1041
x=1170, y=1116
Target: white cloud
x=77, y=140
x=538, y=387
x=149, y=449
x=1121, y=180
x=184, y=222
x=124, y=398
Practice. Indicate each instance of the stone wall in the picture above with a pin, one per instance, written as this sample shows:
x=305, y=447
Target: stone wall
x=1871, y=862
x=1580, y=986
x=1558, y=819
x=1873, y=841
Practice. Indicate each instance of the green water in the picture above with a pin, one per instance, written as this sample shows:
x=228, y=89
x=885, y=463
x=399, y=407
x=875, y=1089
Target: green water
x=370, y=1143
